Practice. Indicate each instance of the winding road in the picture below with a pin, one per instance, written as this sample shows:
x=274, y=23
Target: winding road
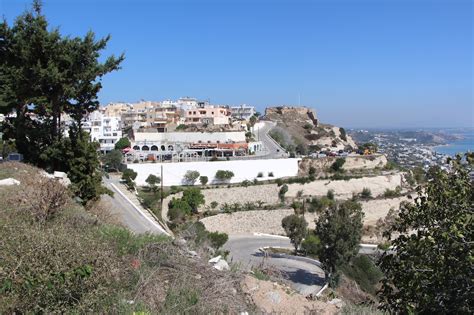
x=307, y=278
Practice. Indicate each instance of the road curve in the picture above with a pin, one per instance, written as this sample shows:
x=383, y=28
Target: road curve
x=305, y=277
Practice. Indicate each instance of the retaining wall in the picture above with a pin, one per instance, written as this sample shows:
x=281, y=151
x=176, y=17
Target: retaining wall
x=173, y=173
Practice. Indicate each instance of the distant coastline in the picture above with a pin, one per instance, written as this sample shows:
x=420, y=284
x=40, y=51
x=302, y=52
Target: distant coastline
x=466, y=144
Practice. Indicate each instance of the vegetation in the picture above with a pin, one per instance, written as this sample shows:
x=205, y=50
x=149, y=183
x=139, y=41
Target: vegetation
x=203, y=180
x=129, y=175
x=180, y=208
x=224, y=176
x=311, y=246
x=339, y=229
x=281, y=193
x=366, y=193
x=343, y=135
x=122, y=144
x=42, y=270
x=152, y=181
x=364, y=272
x=45, y=75
x=112, y=160
x=337, y=165
x=431, y=269
x=319, y=205
x=190, y=177
x=193, y=197
x=217, y=239
x=389, y=193
x=295, y=228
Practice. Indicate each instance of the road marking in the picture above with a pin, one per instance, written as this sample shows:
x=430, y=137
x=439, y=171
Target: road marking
x=155, y=224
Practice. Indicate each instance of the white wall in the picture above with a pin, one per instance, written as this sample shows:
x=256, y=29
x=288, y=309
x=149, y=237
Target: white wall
x=173, y=173
x=238, y=136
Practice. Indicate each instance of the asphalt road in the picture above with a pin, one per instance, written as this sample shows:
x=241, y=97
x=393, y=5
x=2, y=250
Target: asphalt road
x=271, y=148
x=305, y=277
x=127, y=214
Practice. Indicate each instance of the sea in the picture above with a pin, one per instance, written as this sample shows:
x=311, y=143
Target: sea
x=459, y=146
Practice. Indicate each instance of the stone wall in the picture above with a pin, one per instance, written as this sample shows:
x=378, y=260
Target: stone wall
x=268, y=194
x=343, y=189
x=352, y=163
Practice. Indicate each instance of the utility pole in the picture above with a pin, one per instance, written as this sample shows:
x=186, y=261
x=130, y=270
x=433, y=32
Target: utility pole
x=161, y=193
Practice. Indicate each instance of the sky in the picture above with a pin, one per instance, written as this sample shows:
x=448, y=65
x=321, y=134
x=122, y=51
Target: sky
x=358, y=63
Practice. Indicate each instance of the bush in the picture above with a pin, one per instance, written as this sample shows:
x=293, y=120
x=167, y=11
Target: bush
x=270, y=174
x=343, y=134
x=214, y=204
x=366, y=193
x=312, y=171
x=279, y=181
x=330, y=194
x=45, y=201
x=217, y=239
x=260, y=174
x=363, y=271
x=389, y=193
x=337, y=165
x=282, y=192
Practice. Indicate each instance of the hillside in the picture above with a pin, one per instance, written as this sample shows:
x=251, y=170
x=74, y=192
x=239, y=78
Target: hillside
x=58, y=257
x=298, y=130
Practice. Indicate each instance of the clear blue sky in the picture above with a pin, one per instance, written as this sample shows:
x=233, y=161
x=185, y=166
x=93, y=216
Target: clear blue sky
x=359, y=63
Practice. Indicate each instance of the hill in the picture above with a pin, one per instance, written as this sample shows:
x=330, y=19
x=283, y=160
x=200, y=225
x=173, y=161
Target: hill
x=298, y=130
x=58, y=257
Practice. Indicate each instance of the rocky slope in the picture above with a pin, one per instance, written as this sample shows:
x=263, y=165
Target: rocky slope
x=298, y=129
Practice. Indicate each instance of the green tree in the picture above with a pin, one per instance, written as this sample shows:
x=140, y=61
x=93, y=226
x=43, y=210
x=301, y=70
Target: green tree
x=203, y=180
x=190, y=177
x=194, y=198
x=429, y=270
x=178, y=209
x=112, y=160
x=129, y=176
x=340, y=229
x=311, y=246
x=252, y=121
x=224, y=176
x=44, y=75
x=152, y=181
x=295, y=228
x=122, y=144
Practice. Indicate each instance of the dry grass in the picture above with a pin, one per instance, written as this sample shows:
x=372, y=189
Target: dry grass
x=58, y=258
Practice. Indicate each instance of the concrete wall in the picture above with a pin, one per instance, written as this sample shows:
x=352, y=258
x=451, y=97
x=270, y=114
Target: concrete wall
x=238, y=136
x=173, y=173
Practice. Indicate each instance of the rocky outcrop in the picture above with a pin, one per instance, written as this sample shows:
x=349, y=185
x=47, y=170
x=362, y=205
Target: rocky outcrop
x=305, y=129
